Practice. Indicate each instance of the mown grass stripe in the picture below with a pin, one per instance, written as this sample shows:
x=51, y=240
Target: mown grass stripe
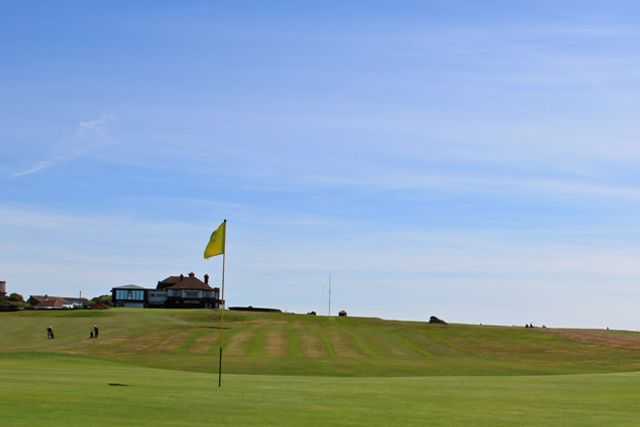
x=257, y=343
x=190, y=341
x=294, y=349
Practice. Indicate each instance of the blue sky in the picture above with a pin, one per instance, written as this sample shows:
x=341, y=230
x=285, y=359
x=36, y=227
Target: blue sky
x=473, y=160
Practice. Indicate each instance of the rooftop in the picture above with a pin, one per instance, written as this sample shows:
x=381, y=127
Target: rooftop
x=53, y=297
x=49, y=302
x=128, y=287
x=190, y=283
x=184, y=282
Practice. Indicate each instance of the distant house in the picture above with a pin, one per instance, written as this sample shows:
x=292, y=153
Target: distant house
x=45, y=302
x=174, y=291
x=190, y=291
x=48, y=302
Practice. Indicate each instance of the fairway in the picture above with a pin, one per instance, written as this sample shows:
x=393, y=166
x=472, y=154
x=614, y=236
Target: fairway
x=158, y=367
x=288, y=344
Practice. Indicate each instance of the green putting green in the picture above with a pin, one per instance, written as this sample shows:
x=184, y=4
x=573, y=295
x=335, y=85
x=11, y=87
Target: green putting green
x=54, y=390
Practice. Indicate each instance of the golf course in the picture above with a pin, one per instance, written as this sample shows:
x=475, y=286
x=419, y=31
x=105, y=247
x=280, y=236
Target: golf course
x=159, y=367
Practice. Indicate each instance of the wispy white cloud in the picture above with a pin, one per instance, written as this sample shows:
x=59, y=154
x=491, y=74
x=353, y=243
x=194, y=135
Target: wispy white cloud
x=93, y=124
x=88, y=135
x=39, y=166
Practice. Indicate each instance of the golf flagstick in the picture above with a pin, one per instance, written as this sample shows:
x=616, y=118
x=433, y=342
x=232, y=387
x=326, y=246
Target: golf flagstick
x=224, y=256
x=217, y=246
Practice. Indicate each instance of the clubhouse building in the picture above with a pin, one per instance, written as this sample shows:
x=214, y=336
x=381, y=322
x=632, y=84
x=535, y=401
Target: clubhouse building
x=173, y=292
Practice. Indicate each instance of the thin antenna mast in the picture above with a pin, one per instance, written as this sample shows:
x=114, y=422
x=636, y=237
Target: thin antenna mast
x=329, y=294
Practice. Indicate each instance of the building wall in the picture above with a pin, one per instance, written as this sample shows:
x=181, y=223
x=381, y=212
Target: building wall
x=191, y=298
x=156, y=298
x=192, y=294
x=164, y=298
x=131, y=304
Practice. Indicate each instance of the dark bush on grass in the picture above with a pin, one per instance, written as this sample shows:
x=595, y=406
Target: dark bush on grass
x=435, y=320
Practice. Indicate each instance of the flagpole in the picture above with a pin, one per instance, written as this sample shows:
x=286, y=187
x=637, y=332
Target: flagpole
x=224, y=258
x=222, y=307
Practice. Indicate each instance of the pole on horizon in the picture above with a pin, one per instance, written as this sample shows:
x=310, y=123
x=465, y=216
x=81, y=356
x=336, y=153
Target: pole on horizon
x=222, y=307
x=329, y=294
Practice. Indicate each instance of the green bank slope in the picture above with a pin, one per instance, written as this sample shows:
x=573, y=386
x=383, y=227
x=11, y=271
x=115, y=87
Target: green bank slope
x=72, y=392
x=188, y=340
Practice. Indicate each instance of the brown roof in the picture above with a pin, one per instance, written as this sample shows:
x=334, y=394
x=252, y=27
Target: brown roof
x=50, y=302
x=183, y=282
x=169, y=281
x=190, y=283
x=66, y=300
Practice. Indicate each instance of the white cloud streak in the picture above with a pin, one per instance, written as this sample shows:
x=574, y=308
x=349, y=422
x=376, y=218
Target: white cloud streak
x=88, y=135
x=38, y=167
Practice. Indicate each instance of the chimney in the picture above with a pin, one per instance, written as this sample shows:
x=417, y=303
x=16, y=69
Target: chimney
x=206, y=279
x=192, y=274
x=181, y=276
x=3, y=288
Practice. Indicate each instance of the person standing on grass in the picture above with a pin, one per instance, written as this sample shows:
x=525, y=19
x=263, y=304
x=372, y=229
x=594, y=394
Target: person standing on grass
x=96, y=331
x=50, y=333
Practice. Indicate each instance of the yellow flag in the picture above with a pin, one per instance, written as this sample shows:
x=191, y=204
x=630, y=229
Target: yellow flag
x=217, y=241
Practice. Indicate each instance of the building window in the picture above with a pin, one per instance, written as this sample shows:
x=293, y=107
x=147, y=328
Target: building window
x=129, y=295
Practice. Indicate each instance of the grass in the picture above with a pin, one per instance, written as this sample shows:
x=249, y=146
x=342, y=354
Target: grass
x=55, y=390
x=291, y=370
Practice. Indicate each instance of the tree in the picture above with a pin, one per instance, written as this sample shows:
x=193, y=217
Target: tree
x=102, y=300
x=15, y=297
